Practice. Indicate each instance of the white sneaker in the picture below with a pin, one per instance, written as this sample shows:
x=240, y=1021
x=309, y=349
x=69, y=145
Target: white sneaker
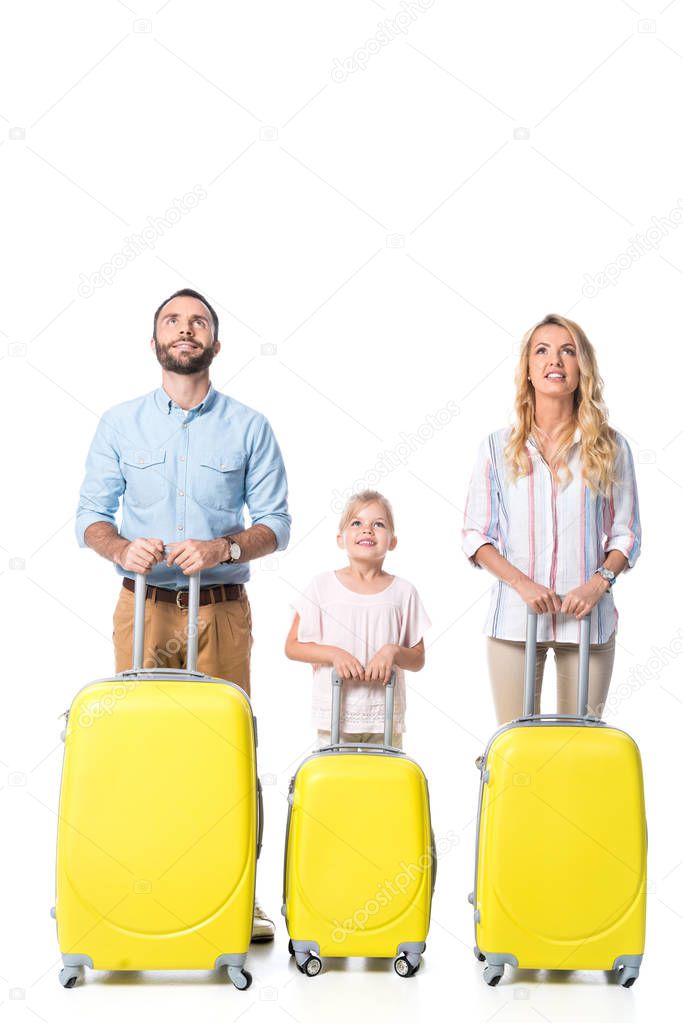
x=263, y=928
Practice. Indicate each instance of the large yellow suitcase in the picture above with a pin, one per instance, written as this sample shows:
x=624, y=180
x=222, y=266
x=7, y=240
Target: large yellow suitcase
x=561, y=843
x=359, y=853
x=159, y=821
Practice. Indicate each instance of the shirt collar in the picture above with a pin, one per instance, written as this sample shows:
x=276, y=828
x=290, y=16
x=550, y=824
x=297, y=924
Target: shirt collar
x=165, y=403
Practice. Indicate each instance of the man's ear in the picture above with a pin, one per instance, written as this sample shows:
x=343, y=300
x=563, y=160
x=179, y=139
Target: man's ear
x=216, y=346
x=392, y=543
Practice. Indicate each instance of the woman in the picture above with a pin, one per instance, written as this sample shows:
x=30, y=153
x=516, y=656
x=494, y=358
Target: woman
x=553, y=509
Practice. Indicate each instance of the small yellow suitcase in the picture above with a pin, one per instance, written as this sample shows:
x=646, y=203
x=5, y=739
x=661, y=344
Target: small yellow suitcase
x=359, y=852
x=160, y=820
x=560, y=878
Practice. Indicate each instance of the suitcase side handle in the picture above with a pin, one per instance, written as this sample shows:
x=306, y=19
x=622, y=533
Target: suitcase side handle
x=389, y=688
x=139, y=621
x=530, y=664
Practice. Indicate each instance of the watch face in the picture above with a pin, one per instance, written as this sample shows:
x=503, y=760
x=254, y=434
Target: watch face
x=235, y=551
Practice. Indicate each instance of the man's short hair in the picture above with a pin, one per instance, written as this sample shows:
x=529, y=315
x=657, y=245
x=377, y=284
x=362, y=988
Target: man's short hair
x=188, y=293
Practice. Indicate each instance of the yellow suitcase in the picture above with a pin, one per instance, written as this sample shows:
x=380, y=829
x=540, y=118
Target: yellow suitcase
x=160, y=820
x=359, y=853
x=560, y=878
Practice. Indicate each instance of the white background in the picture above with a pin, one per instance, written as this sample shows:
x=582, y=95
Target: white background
x=392, y=235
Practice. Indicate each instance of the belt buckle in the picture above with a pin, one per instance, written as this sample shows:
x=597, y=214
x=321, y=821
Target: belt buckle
x=178, y=598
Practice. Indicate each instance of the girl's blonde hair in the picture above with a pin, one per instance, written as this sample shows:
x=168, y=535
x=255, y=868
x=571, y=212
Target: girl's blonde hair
x=598, y=439
x=360, y=500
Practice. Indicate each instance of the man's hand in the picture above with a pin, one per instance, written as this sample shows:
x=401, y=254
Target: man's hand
x=346, y=665
x=382, y=664
x=141, y=555
x=195, y=555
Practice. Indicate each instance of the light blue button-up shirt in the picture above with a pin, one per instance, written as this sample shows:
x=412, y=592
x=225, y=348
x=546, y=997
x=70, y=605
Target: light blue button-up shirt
x=184, y=476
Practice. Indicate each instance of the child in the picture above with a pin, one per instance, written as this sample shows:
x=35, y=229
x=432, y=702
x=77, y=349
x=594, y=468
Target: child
x=363, y=622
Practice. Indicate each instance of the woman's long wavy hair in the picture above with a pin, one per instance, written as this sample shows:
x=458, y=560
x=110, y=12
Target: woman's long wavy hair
x=598, y=439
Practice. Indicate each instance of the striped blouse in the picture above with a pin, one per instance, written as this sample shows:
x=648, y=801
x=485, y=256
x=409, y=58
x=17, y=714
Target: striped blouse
x=556, y=534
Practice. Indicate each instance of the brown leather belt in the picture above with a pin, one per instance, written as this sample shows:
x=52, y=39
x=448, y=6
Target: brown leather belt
x=207, y=594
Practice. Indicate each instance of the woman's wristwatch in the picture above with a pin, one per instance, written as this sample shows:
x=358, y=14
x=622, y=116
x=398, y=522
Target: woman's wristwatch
x=607, y=575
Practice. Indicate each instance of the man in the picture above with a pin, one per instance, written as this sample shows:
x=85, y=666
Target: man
x=184, y=460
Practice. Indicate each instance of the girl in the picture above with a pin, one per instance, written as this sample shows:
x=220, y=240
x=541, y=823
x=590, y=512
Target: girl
x=364, y=623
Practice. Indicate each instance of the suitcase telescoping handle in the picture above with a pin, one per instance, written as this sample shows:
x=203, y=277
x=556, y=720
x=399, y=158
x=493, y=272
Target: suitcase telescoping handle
x=139, y=621
x=389, y=687
x=530, y=664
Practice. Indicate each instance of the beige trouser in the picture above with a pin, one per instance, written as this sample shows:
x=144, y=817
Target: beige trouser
x=224, y=641
x=376, y=738
x=506, y=670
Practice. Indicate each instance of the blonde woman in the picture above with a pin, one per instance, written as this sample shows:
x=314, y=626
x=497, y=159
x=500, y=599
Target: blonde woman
x=553, y=509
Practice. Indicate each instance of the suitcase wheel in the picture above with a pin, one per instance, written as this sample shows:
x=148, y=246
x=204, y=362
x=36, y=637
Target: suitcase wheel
x=69, y=975
x=627, y=976
x=492, y=974
x=403, y=968
x=478, y=955
x=311, y=966
x=290, y=947
x=242, y=979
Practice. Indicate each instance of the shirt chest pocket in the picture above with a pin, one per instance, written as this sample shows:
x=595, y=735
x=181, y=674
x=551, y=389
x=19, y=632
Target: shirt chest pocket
x=144, y=470
x=219, y=481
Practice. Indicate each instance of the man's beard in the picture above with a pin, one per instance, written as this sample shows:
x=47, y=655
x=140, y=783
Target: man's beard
x=187, y=363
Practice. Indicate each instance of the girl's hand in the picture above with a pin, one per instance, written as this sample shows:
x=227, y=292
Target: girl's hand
x=346, y=665
x=581, y=601
x=540, y=599
x=382, y=664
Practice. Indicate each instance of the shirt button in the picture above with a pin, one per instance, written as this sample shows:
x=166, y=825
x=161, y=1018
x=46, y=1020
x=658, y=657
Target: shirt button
x=182, y=458
x=180, y=529
x=181, y=493
x=184, y=426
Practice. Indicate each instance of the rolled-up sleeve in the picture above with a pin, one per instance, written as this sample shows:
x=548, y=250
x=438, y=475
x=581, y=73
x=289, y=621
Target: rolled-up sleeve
x=622, y=515
x=266, y=485
x=481, y=510
x=103, y=484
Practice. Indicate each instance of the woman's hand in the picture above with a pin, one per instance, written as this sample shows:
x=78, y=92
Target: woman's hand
x=382, y=664
x=581, y=601
x=346, y=665
x=540, y=599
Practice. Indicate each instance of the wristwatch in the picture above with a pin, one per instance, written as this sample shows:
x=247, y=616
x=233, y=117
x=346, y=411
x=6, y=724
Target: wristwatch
x=234, y=550
x=607, y=575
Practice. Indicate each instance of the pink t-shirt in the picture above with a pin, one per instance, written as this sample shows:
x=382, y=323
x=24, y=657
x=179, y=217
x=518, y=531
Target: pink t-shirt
x=332, y=614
